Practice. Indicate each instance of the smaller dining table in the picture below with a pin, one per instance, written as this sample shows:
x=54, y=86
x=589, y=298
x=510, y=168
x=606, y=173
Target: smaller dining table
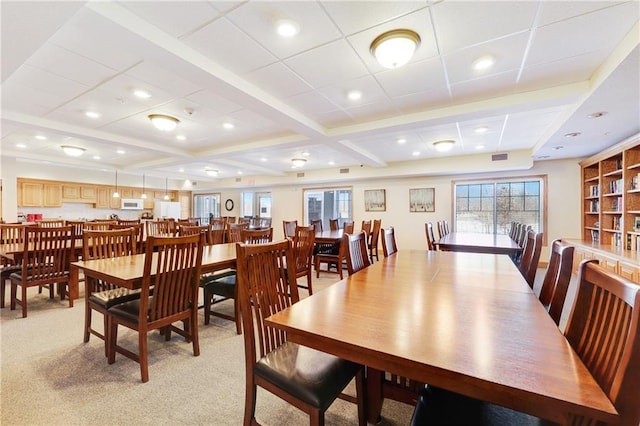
x=478, y=243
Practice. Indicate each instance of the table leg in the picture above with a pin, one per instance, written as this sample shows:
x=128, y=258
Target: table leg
x=74, y=287
x=374, y=395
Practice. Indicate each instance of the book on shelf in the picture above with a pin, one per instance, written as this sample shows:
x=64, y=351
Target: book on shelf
x=616, y=204
x=615, y=186
x=633, y=184
x=595, y=236
x=594, y=190
x=633, y=242
x=616, y=240
x=618, y=163
x=615, y=223
x=594, y=206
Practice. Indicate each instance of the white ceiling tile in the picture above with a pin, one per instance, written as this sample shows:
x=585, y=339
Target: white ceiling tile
x=259, y=20
x=174, y=17
x=355, y=16
x=555, y=11
x=230, y=47
x=46, y=82
x=277, y=79
x=481, y=87
x=414, y=77
x=462, y=24
x=367, y=85
x=314, y=68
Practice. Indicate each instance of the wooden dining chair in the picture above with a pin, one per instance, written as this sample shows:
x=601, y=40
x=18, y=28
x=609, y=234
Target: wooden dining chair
x=221, y=286
x=366, y=227
x=531, y=256
x=189, y=229
x=128, y=221
x=445, y=226
x=172, y=268
x=441, y=231
x=431, y=239
x=308, y=379
x=317, y=224
x=289, y=228
x=45, y=262
x=388, y=241
x=334, y=224
x=157, y=228
x=556, y=280
x=100, y=226
x=373, y=240
x=50, y=223
x=356, y=252
x=303, y=244
x=604, y=331
x=138, y=229
x=217, y=224
x=9, y=234
x=100, y=295
x=234, y=232
x=348, y=227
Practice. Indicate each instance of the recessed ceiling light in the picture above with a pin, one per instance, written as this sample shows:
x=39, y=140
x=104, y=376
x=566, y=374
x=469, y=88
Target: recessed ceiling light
x=239, y=172
x=181, y=170
x=96, y=157
x=20, y=145
x=142, y=94
x=287, y=27
x=263, y=159
x=484, y=62
x=181, y=137
x=415, y=153
x=354, y=95
x=482, y=129
x=597, y=114
x=572, y=134
x=331, y=163
x=228, y=125
x=120, y=151
x=401, y=141
x=92, y=114
x=479, y=147
x=305, y=154
x=41, y=137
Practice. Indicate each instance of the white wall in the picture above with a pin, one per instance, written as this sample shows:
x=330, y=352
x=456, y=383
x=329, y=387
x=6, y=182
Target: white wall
x=563, y=197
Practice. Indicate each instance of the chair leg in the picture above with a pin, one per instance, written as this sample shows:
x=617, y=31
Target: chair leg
x=236, y=310
x=104, y=333
x=250, y=402
x=112, y=341
x=14, y=294
x=309, y=282
x=2, y=290
x=207, y=306
x=23, y=301
x=87, y=323
x=193, y=332
x=142, y=355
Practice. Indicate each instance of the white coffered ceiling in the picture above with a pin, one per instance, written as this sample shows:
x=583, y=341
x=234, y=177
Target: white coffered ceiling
x=211, y=62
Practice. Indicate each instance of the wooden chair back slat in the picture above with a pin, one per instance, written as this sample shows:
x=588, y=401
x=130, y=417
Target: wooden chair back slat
x=388, y=241
x=256, y=236
x=289, y=228
x=355, y=246
x=557, y=278
x=431, y=239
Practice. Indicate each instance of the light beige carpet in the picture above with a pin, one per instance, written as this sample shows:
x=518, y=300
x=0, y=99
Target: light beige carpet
x=49, y=376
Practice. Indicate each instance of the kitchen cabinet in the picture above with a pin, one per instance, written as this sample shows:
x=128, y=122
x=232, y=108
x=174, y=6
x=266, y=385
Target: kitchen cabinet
x=40, y=194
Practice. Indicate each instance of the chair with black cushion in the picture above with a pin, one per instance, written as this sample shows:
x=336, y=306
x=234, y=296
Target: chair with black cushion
x=431, y=239
x=45, y=262
x=530, y=256
x=289, y=228
x=101, y=295
x=604, y=331
x=372, y=242
x=10, y=233
x=303, y=244
x=388, y=241
x=308, y=379
x=334, y=224
x=176, y=264
x=356, y=252
x=221, y=286
x=556, y=280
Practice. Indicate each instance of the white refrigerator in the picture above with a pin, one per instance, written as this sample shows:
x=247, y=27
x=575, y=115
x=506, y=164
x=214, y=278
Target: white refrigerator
x=166, y=209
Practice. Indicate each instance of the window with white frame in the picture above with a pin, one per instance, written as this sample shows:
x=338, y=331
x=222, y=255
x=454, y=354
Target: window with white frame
x=490, y=206
x=328, y=203
x=205, y=205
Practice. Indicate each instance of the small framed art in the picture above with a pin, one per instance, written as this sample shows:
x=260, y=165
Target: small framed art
x=375, y=200
x=422, y=200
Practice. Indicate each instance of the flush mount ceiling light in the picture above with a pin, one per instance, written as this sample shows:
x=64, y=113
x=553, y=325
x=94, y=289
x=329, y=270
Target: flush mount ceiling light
x=211, y=172
x=484, y=62
x=73, y=151
x=298, y=162
x=395, y=48
x=166, y=123
x=444, y=145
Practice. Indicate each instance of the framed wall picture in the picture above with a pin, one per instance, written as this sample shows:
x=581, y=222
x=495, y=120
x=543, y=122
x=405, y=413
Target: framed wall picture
x=422, y=200
x=375, y=200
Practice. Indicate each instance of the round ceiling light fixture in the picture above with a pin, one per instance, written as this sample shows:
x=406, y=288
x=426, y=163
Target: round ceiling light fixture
x=395, y=48
x=73, y=151
x=211, y=172
x=443, y=145
x=166, y=123
x=298, y=162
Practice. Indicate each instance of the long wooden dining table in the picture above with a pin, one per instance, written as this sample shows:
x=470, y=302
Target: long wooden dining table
x=465, y=322
x=127, y=271
x=478, y=243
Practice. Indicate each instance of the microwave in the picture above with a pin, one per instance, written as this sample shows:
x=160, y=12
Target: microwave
x=132, y=204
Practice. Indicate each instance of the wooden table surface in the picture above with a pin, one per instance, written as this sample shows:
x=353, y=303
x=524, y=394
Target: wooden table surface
x=126, y=271
x=466, y=322
x=328, y=237
x=478, y=243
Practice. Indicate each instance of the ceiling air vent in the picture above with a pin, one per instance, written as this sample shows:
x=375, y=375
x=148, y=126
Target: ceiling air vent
x=194, y=183
x=238, y=179
x=344, y=171
x=499, y=157
x=300, y=174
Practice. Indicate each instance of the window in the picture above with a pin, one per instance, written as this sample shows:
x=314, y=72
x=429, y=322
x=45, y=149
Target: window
x=328, y=203
x=489, y=207
x=204, y=205
x=256, y=204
